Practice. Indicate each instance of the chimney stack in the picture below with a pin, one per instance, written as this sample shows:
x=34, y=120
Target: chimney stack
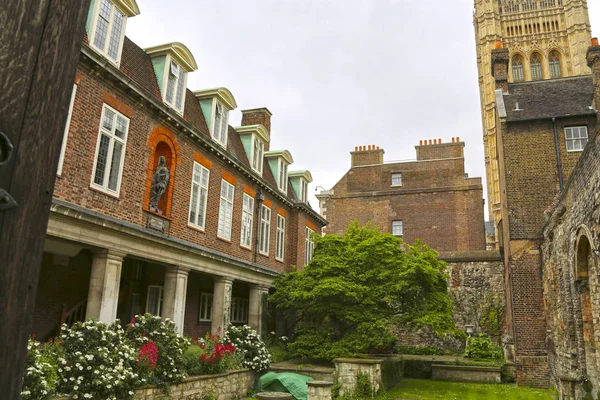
x=366, y=155
x=258, y=116
x=500, y=66
x=593, y=60
x=426, y=150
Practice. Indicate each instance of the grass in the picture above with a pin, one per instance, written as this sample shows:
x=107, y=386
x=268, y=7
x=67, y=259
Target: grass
x=426, y=390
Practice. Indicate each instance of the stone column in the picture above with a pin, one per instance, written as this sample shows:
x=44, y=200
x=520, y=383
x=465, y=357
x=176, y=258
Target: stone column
x=221, y=306
x=256, y=307
x=174, y=295
x=103, y=293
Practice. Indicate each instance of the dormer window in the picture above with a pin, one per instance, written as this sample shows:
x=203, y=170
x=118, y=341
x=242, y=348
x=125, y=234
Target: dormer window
x=171, y=63
x=175, y=87
x=219, y=129
x=215, y=105
x=254, y=138
x=283, y=176
x=299, y=181
x=257, y=154
x=107, y=22
x=279, y=160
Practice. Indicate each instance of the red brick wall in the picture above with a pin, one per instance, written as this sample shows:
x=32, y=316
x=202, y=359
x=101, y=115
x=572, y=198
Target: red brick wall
x=74, y=184
x=440, y=151
x=436, y=203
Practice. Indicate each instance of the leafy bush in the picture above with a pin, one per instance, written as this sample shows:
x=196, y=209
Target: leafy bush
x=41, y=370
x=482, y=347
x=98, y=362
x=277, y=348
x=247, y=341
x=392, y=372
x=211, y=356
x=357, y=287
x=169, y=364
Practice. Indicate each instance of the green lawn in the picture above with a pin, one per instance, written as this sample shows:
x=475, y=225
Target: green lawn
x=425, y=390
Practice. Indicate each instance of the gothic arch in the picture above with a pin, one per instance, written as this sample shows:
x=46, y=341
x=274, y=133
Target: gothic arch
x=536, y=62
x=517, y=67
x=555, y=62
x=162, y=142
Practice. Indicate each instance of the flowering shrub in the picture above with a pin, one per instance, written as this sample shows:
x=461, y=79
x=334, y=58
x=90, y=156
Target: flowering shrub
x=211, y=356
x=168, y=367
x=246, y=340
x=98, y=362
x=41, y=375
x=148, y=356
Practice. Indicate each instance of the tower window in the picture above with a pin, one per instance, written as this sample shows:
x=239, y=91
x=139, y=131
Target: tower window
x=517, y=69
x=555, y=71
x=536, y=67
x=577, y=138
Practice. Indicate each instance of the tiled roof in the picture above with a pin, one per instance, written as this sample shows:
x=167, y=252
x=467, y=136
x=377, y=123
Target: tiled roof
x=193, y=113
x=136, y=64
x=549, y=98
x=236, y=148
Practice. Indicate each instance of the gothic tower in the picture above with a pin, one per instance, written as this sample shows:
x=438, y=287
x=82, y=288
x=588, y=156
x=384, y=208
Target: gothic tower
x=546, y=39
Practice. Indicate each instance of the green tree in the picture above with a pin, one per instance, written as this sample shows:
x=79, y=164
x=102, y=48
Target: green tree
x=357, y=287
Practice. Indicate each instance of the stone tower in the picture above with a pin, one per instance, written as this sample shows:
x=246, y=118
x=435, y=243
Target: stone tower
x=546, y=39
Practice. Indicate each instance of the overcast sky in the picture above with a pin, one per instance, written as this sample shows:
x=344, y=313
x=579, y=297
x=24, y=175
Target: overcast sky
x=336, y=73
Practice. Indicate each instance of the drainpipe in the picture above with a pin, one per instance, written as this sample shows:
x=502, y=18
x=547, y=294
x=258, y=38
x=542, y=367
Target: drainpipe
x=260, y=197
x=557, y=149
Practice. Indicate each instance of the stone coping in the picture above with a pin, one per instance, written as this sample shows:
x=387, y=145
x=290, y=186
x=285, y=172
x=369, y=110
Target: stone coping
x=292, y=368
x=319, y=383
x=466, y=367
x=274, y=396
x=470, y=256
x=357, y=361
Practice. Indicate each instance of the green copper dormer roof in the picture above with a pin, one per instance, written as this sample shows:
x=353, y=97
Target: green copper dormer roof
x=180, y=53
x=128, y=7
x=222, y=94
x=301, y=174
x=258, y=130
x=284, y=154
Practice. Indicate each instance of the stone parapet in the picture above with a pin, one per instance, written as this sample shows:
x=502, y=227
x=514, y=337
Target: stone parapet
x=348, y=369
x=319, y=390
x=463, y=373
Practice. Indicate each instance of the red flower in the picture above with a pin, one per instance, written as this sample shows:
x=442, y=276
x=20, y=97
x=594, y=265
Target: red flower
x=148, y=355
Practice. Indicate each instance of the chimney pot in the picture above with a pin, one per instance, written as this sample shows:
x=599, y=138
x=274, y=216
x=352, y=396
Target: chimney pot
x=457, y=139
x=420, y=143
x=440, y=141
x=498, y=44
x=595, y=41
x=355, y=148
x=430, y=141
x=452, y=140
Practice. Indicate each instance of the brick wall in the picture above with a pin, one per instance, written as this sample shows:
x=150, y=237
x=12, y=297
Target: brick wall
x=440, y=151
x=436, y=203
x=74, y=183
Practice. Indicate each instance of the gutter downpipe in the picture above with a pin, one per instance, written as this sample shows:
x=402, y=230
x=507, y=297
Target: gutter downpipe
x=557, y=150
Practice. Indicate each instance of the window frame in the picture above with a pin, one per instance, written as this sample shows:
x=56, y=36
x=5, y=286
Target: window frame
x=222, y=135
x=536, y=67
x=257, y=160
x=247, y=215
x=309, y=246
x=554, y=63
x=519, y=68
x=282, y=179
x=265, y=240
x=580, y=139
x=401, y=222
x=303, y=190
x=104, y=187
x=280, y=238
x=221, y=234
x=167, y=73
x=205, y=307
x=94, y=27
x=394, y=175
x=239, y=310
x=200, y=188
x=160, y=299
x=63, y=148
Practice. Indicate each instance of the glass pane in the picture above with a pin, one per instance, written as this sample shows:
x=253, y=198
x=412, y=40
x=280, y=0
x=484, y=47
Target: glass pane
x=153, y=300
x=205, y=178
x=194, y=204
x=201, y=216
x=170, y=89
x=569, y=133
x=115, y=35
x=105, y=9
x=101, y=161
x=180, y=89
x=115, y=166
x=569, y=144
x=109, y=119
x=121, y=128
x=101, y=33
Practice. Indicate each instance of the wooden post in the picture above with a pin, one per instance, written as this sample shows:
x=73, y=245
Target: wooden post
x=40, y=44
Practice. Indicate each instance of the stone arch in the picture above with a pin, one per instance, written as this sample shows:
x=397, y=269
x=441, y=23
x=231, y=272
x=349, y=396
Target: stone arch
x=536, y=65
x=584, y=268
x=517, y=67
x=555, y=62
x=162, y=142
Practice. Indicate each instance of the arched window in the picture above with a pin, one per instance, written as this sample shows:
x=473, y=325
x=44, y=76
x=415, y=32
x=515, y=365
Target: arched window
x=517, y=69
x=554, y=59
x=536, y=67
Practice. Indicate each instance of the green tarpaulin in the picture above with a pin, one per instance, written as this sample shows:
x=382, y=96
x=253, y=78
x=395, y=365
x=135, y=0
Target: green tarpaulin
x=284, y=382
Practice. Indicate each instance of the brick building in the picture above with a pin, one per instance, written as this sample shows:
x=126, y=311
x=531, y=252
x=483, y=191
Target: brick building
x=543, y=127
x=430, y=199
x=203, y=246
x=570, y=273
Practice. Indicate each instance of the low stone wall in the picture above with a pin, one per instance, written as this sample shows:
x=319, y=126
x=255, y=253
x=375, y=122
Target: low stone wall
x=463, y=373
x=475, y=281
x=318, y=374
x=347, y=370
x=231, y=385
x=319, y=390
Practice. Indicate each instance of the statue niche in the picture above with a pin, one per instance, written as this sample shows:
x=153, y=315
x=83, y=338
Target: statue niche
x=160, y=183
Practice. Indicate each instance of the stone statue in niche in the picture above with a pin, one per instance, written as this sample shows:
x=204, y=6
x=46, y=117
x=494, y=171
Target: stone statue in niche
x=160, y=182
